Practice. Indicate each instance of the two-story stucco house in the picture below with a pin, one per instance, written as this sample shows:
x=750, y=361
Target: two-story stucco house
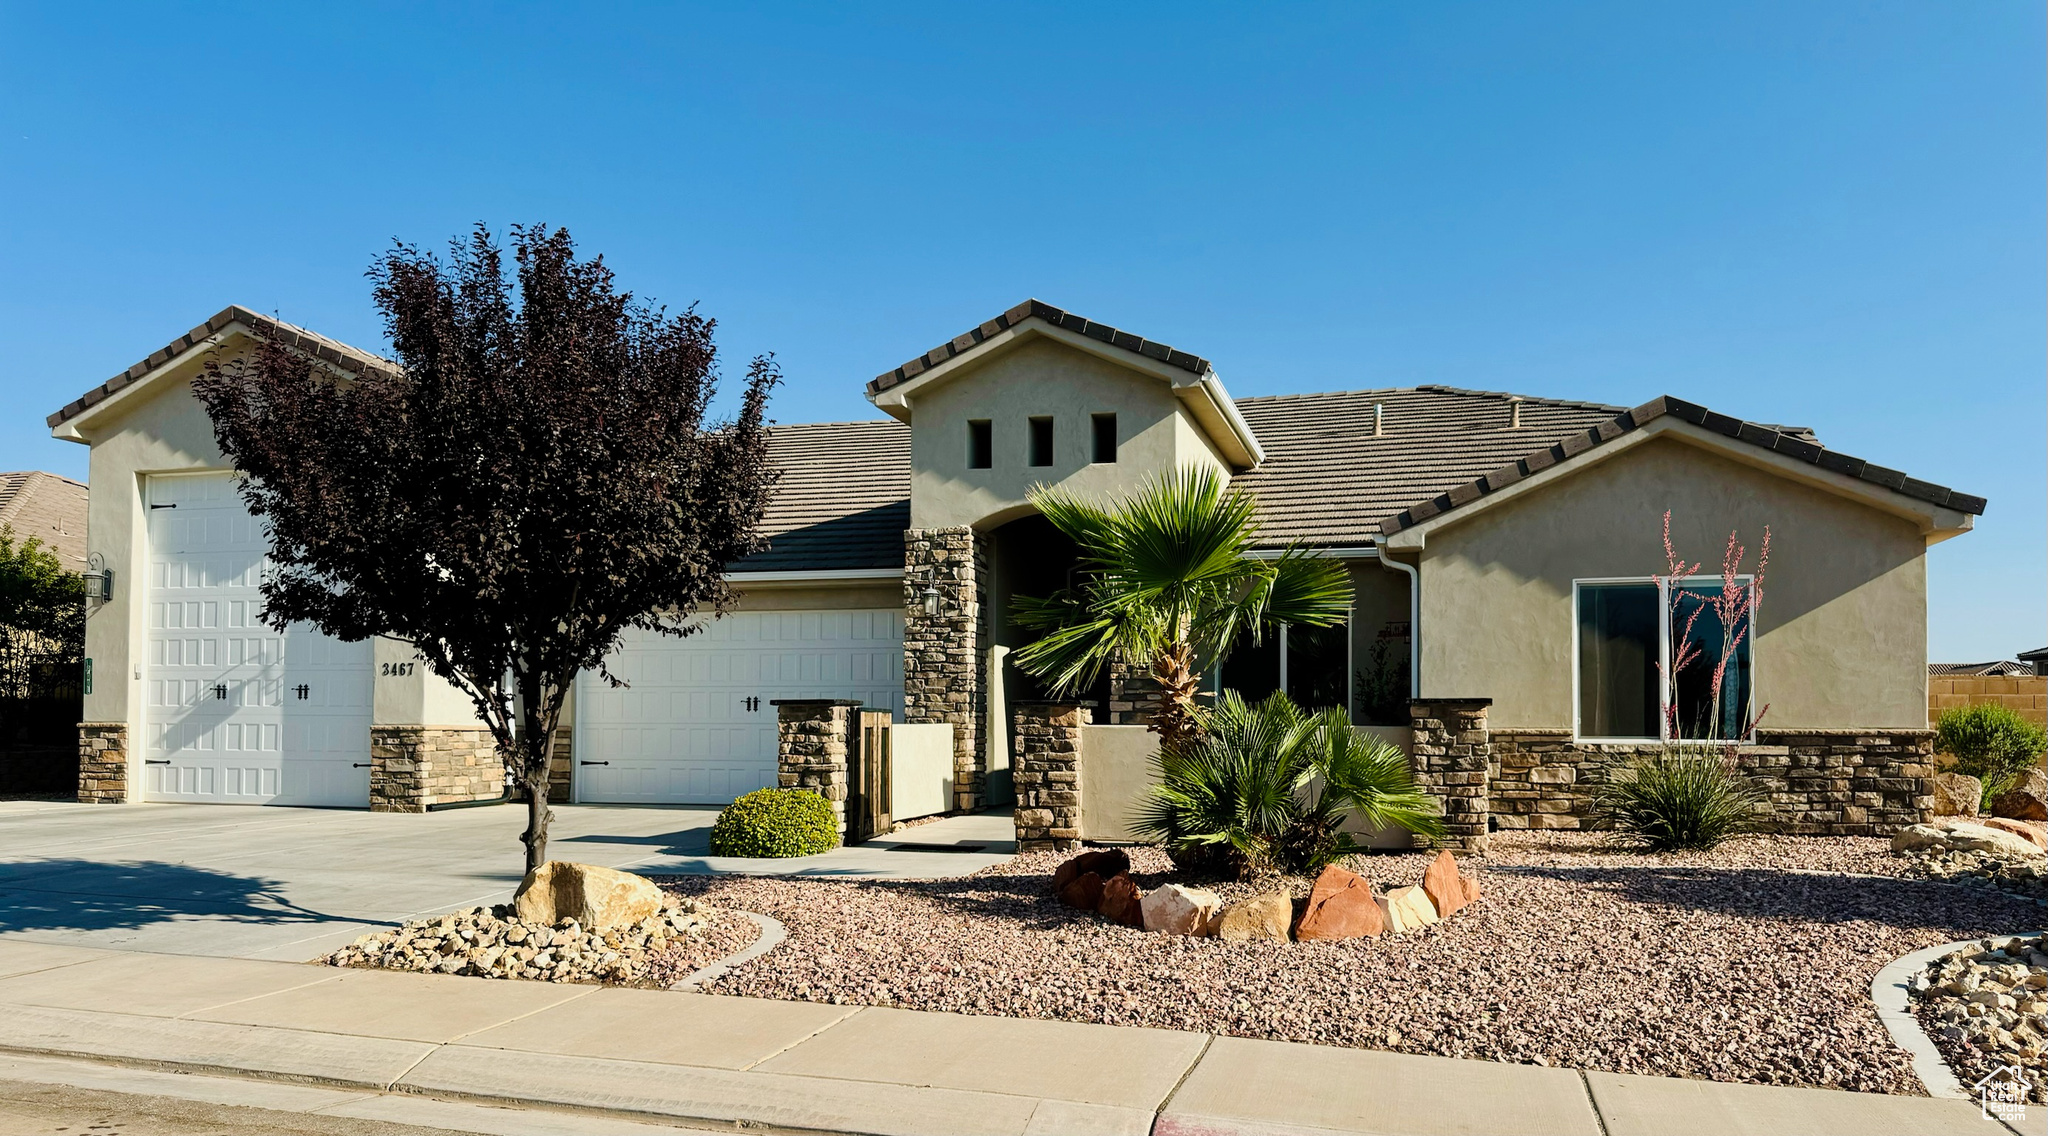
x=1502, y=549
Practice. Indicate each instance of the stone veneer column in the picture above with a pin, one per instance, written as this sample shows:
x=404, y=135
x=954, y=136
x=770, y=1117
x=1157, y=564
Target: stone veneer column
x=811, y=744
x=103, y=763
x=414, y=768
x=1451, y=756
x=1047, y=770
x=944, y=670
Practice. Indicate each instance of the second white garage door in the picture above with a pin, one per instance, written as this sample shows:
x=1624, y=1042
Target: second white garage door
x=695, y=725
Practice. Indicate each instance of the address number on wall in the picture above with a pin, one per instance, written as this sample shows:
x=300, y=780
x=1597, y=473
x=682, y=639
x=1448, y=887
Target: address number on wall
x=396, y=670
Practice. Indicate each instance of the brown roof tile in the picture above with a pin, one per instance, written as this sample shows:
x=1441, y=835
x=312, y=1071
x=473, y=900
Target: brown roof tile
x=968, y=341
x=844, y=497
x=48, y=507
x=351, y=359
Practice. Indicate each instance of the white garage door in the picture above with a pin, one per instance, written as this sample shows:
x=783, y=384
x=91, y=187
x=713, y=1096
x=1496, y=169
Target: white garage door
x=696, y=725
x=233, y=712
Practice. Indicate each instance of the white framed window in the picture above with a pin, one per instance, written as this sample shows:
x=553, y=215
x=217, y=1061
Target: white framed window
x=1650, y=654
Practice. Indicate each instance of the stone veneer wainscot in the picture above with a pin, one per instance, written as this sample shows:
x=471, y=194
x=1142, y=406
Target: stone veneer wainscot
x=103, y=763
x=415, y=768
x=945, y=675
x=812, y=739
x=1048, y=774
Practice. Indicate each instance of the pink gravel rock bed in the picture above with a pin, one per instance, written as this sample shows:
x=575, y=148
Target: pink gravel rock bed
x=726, y=934
x=1718, y=965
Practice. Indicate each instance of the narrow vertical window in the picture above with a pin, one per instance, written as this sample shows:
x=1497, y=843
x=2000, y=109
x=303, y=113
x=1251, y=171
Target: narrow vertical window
x=1105, y=438
x=980, y=443
x=1618, y=654
x=1041, y=441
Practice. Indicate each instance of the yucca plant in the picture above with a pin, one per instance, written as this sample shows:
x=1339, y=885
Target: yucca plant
x=1268, y=786
x=1681, y=798
x=1168, y=583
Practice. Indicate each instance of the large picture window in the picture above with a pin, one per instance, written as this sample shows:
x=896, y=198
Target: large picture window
x=1653, y=654
x=1309, y=663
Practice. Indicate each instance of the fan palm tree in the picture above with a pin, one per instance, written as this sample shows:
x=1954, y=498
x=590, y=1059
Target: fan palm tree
x=1269, y=786
x=1168, y=583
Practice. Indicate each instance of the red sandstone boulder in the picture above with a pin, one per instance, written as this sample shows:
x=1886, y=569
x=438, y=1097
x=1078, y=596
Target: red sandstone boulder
x=1340, y=907
x=2033, y=831
x=1120, y=902
x=1104, y=862
x=1083, y=891
x=2027, y=799
x=1471, y=888
x=1445, y=885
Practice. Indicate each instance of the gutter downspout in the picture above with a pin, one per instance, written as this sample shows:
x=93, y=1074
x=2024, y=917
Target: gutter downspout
x=1414, y=620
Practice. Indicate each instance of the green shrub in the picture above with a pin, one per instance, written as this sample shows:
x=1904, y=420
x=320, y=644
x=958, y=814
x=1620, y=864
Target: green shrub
x=1989, y=742
x=1680, y=798
x=776, y=822
x=1268, y=786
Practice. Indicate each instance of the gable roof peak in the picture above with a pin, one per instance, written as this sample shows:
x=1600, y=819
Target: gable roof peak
x=973, y=338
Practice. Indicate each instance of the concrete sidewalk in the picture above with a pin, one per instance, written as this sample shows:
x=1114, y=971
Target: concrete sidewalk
x=662, y=1056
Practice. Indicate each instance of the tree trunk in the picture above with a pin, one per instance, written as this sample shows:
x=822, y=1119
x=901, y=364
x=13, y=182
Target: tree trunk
x=535, y=760
x=1174, y=720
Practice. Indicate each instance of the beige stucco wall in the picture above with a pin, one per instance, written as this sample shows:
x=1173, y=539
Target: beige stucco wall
x=1041, y=377
x=1843, y=627
x=160, y=428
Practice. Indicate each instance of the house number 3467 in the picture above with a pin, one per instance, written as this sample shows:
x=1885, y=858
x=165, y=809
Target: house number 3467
x=397, y=669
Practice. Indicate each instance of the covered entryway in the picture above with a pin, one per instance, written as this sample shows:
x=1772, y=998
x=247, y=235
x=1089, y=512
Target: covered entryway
x=233, y=712
x=695, y=724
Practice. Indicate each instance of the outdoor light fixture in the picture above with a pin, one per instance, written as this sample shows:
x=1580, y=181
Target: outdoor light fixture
x=99, y=579
x=931, y=600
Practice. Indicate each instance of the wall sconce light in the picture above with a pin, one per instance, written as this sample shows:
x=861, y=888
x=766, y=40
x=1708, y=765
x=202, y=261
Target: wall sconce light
x=931, y=600
x=99, y=579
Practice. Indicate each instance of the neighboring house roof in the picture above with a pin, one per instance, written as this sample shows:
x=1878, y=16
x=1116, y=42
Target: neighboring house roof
x=1792, y=442
x=2038, y=654
x=48, y=507
x=1998, y=667
x=968, y=341
x=352, y=359
x=843, y=500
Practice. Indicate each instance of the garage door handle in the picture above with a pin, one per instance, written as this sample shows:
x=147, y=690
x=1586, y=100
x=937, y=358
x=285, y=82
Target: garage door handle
x=152, y=761
x=593, y=763
x=359, y=765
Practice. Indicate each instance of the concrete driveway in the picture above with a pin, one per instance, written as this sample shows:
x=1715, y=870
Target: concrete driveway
x=291, y=884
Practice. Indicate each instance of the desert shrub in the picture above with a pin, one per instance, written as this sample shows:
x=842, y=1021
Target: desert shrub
x=777, y=823
x=1989, y=742
x=1268, y=786
x=1680, y=798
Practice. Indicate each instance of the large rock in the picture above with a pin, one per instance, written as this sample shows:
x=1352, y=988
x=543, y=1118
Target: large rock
x=594, y=897
x=1447, y=886
x=1260, y=917
x=1083, y=891
x=2032, y=831
x=1408, y=909
x=1122, y=902
x=2025, y=800
x=1340, y=906
x=1178, y=910
x=1962, y=836
x=1104, y=862
x=1955, y=794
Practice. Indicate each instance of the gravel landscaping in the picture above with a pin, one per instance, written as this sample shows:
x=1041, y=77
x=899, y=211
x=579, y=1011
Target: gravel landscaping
x=1722, y=965
x=490, y=942
x=1986, y=1006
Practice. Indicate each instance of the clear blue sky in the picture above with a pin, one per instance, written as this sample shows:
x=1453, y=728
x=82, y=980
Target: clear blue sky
x=1826, y=214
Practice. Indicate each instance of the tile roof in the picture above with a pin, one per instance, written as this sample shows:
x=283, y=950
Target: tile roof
x=352, y=359
x=1999, y=667
x=48, y=507
x=1793, y=442
x=844, y=497
x=968, y=341
x=1327, y=480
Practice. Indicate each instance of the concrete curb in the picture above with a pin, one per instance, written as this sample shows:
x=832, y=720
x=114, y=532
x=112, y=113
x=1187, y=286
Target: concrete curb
x=1892, y=992
x=772, y=934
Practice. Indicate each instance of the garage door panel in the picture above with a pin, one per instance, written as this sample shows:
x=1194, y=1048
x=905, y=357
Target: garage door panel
x=705, y=700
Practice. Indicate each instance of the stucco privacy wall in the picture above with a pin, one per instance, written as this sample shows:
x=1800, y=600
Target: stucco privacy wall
x=1041, y=378
x=1842, y=630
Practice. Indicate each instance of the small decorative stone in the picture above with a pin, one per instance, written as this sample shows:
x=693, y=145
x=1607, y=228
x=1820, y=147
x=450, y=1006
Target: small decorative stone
x=1083, y=891
x=1955, y=794
x=1445, y=885
x=1176, y=910
x=1340, y=906
x=1106, y=863
x=1408, y=909
x=1122, y=902
x=2025, y=800
x=591, y=896
x=1260, y=917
